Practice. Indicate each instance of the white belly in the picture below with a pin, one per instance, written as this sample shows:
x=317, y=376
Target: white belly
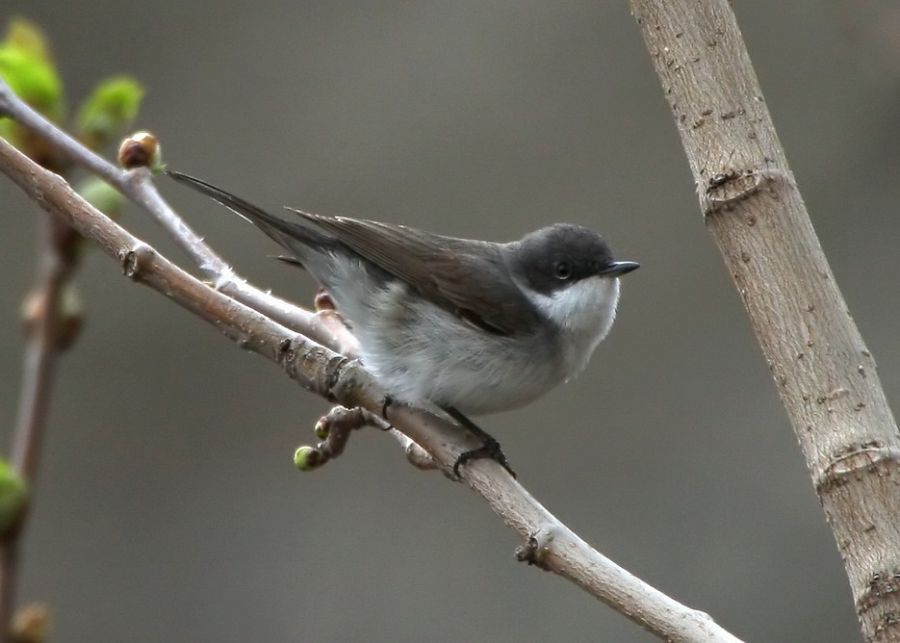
x=421, y=353
x=438, y=358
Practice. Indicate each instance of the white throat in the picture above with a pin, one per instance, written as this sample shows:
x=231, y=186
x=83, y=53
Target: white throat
x=584, y=312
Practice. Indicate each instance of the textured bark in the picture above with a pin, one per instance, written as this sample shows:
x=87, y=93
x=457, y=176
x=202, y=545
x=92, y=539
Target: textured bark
x=824, y=373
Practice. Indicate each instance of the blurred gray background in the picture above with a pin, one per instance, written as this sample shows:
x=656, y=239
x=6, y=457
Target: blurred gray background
x=168, y=508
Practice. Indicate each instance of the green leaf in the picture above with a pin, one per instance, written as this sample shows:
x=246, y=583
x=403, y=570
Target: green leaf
x=102, y=196
x=27, y=37
x=11, y=131
x=111, y=108
x=27, y=68
x=13, y=494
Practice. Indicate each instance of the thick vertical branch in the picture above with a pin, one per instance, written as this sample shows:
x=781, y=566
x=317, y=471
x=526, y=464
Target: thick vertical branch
x=825, y=375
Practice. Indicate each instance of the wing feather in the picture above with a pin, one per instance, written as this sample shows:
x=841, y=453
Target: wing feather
x=466, y=277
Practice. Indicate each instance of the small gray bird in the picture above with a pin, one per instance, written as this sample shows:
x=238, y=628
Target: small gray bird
x=472, y=327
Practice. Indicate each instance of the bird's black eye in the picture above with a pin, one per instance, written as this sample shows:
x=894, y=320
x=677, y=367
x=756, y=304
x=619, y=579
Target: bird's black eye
x=562, y=270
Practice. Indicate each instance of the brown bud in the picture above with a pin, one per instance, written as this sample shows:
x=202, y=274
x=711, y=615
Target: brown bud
x=69, y=315
x=33, y=308
x=323, y=300
x=323, y=428
x=31, y=624
x=141, y=149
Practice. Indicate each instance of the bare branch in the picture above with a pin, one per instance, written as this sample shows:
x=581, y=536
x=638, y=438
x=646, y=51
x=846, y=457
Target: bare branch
x=334, y=429
x=333, y=376
x=416, y=455
x=138, y=186
x=48, y=331
x=824, y=373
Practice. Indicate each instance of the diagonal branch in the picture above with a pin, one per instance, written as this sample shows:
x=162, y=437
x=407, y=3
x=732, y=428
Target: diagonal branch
x=824, y=373
x=138, y=187
x=551, y=544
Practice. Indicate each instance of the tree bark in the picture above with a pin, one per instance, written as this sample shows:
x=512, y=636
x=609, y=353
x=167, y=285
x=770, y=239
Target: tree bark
x=824, y=373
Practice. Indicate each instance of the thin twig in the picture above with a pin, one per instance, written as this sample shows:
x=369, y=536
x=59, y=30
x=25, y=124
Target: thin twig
x=334, y=430
x=331, y=375
x=44, y=321
x=326, y=328
x=138, y=186
x=45, y=340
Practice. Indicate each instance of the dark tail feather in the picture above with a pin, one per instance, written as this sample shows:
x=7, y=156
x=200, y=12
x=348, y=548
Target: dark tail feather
x=292, y=236
x=290, y=260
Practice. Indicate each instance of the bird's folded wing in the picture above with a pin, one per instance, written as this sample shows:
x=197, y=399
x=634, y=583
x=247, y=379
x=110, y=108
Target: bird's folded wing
x=468, y=278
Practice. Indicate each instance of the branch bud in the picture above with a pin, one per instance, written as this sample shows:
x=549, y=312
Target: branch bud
x=307, y=458
x=69, y=315
x=13, y=496
x=141, y=149
x=322, y=428
x=31, y=624
x=323, y=301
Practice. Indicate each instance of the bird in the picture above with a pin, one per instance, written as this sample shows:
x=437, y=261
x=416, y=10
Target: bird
x=468, y=326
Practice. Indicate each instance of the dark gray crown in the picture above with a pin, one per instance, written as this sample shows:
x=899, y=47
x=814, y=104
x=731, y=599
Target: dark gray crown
x=562, y=254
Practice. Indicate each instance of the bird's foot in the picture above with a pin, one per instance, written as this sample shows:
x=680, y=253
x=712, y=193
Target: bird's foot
x=489, y=449
x=385, y=404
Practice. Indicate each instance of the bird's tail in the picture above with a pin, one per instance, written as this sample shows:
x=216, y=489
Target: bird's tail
x=292, y=236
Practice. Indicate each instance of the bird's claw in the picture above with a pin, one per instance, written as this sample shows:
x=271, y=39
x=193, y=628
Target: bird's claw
x=489, y=449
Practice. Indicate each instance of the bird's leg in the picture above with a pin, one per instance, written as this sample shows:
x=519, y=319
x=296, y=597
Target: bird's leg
x=388, y=400
x=385, y=404
x=489, y=448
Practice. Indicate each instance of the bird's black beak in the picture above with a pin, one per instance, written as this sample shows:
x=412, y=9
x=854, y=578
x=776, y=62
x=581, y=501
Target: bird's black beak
x=617, y=268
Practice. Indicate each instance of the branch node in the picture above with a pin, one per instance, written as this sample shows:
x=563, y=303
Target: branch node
x=889, y=620
x=535, y=550
x=340, y=382
x=136, y=260
x=137, y=175
x=880, y=585
x=334, y=429
x=335, y=374
x=726, y=188
x=856, y=461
